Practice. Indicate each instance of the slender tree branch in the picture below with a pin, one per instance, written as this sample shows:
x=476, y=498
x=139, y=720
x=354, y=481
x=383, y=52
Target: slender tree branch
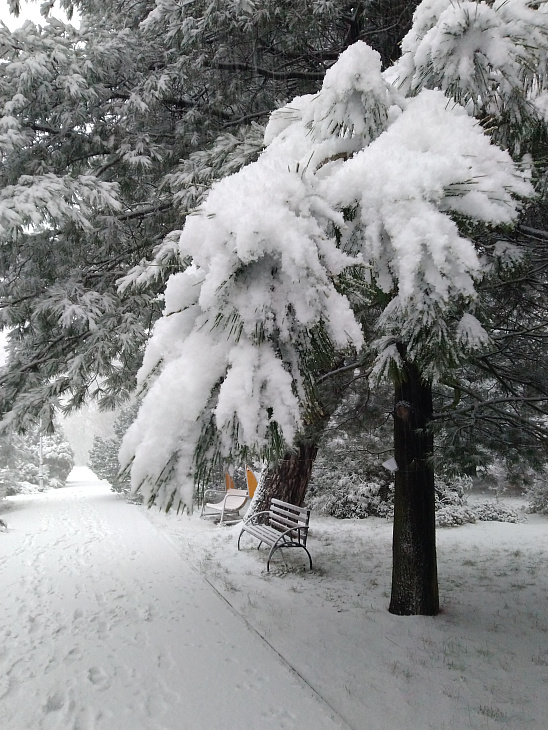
x=143, y=212
x=269, y=73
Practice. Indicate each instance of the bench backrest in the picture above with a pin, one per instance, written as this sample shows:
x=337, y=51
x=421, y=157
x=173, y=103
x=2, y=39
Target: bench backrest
x=283, y=516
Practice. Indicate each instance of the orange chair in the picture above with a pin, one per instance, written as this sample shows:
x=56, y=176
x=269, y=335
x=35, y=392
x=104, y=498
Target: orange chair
x=251, y=480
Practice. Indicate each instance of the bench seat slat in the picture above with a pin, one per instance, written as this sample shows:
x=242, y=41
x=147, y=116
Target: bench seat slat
x=289, y=516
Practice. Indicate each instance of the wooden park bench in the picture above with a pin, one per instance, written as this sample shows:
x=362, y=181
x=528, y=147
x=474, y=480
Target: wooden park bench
x=285, y=527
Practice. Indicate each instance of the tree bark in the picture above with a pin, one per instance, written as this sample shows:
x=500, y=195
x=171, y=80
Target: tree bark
x=288, y=479
x=414, y=567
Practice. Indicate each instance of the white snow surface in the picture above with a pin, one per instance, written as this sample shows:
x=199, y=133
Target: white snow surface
x=108, y=626
x=120, y=618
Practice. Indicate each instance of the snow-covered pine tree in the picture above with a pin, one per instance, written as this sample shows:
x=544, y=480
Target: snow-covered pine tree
x=490, y=57
x=20, y=458
x=354, y=178
x=103, y=456
x=109, y=135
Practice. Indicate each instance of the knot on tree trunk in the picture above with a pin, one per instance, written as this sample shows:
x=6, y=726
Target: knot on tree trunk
x=403, y=410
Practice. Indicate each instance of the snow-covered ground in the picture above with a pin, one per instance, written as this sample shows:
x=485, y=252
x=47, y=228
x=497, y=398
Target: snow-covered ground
x=107, y=627
x=120, y=618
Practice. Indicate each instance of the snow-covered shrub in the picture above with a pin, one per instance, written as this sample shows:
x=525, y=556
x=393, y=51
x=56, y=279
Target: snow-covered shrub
x=356, y=499
x=451, y=490
x=451, y=507
x=58, y=458
x=24, y=487
x=538, y=499
x=493, y=511
x=20, y=458
x=348, y=480
x=454, y=515
x=28, y=471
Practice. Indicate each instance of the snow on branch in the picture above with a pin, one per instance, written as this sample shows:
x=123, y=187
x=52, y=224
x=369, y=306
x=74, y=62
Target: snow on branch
x=46, y=199
x=490, y=57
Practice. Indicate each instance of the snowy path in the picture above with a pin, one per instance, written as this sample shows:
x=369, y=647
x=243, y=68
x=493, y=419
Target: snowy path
x=107, y=628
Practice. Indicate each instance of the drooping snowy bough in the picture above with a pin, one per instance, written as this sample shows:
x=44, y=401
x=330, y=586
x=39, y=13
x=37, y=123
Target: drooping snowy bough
x=358, y=175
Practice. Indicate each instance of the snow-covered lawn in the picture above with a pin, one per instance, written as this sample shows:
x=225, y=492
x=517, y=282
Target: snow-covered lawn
x=483, y=663
x=113, y=620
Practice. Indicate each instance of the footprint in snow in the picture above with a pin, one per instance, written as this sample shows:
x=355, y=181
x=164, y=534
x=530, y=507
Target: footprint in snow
x=54, y=702
x=98, y=677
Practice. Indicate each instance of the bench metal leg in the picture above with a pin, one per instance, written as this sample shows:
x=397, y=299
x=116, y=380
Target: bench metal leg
x=279, y=547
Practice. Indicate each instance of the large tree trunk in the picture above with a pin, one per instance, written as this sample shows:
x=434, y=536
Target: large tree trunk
x=288, y=479
x=414, y=568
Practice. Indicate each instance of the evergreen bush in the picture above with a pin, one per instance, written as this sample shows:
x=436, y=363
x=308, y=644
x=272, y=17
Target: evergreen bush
x=454, y=515
x=494, y=511
x=356, y=499
x=538, y=493
x=20, y=458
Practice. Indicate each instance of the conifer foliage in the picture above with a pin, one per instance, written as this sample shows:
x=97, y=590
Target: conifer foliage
x=136, y=181
x=103, y=456
x=110, y=133
x=31, y=461
x=373, y=193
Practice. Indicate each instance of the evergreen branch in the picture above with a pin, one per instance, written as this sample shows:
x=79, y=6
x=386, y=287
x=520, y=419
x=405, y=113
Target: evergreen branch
x=269, y=73
x=68, y=344
x=342, y=369
x=107, y=165
x=247, y=118
x=493, y=404
x=535, y=232
x=143, y=212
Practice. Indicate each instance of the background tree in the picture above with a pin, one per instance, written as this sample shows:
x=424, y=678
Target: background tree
x=103, y=456
x=20, y=458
